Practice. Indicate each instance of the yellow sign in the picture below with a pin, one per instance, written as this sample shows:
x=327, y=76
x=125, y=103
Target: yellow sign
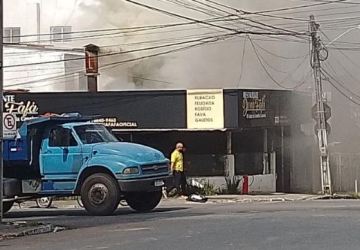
x=205, y=109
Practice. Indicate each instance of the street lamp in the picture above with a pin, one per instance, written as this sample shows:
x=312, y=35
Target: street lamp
x=347, y=31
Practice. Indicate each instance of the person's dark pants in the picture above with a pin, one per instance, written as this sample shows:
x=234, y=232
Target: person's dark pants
x=180, y=182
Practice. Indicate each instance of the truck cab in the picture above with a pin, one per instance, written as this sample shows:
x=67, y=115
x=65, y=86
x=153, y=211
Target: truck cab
x=69, y=155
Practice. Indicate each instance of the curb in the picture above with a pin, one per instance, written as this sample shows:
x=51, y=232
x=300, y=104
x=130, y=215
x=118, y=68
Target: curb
x=261, y=199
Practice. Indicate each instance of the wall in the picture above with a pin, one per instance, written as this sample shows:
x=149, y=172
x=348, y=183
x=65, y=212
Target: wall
x=345, y=170
x=257, y=183
x=61, y=75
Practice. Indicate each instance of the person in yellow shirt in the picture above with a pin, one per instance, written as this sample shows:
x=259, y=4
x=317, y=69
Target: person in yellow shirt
x=177, y=166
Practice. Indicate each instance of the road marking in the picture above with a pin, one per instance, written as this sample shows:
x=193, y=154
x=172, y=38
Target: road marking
x=132, y=229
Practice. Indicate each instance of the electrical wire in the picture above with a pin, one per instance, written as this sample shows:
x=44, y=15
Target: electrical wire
x=296, y=7
x=248, y=19
x=260, y=60
x=118, y=53
x=207, y=23
x=117, y=63
x=342, y=92
x=242, y=61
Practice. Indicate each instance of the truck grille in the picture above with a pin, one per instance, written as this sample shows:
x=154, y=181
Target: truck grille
x=154, y=169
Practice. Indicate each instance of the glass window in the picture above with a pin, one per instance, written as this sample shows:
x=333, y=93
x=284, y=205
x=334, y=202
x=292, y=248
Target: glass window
x=94, y=133
x=61, y=137
x=60, y=33
x=11, y=35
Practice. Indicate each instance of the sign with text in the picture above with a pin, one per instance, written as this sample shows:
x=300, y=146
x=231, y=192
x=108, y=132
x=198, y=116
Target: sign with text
x=113, y=122
x=254, y=105
x=205, y=109
x=9, y=126
x=22, y=110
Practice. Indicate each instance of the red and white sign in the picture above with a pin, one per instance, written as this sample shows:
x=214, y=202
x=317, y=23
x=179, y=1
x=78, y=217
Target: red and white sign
x=9, y=125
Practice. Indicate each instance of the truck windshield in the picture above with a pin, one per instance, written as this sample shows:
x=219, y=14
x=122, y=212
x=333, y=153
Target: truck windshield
x=94, y=133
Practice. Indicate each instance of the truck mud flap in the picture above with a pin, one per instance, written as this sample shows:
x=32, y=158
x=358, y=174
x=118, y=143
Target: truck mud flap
x=12, y=187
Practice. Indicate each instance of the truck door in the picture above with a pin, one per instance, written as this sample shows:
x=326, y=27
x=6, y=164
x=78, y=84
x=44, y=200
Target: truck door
x=60, y=155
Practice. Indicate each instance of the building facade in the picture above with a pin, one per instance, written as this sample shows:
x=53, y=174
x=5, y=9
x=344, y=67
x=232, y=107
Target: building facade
x=226, y=132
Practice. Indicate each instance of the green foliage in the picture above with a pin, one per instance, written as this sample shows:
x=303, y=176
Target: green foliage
x=232, y=185
x=207, y=189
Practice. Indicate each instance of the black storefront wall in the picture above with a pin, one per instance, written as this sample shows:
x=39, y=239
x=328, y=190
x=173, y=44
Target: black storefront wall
x=262, y=116
x=137, y=109
x=163, y=109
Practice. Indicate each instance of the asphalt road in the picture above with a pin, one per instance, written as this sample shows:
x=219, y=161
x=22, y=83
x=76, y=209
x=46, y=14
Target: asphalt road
x=331, y=224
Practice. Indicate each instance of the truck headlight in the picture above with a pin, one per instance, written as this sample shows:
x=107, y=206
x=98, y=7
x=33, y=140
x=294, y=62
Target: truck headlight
x=131, y=170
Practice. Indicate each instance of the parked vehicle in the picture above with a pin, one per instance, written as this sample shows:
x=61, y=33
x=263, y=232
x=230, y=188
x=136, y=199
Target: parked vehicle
x=67, y=155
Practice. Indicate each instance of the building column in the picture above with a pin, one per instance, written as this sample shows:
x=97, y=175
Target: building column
x=229, y=158
x=266, y=169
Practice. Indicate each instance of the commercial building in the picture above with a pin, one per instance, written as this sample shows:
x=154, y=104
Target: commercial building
x=227, y=132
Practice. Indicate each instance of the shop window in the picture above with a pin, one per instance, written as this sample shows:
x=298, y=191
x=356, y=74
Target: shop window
x=60, y=34
x=249, y=163
x=204, y=165
x=11, y=35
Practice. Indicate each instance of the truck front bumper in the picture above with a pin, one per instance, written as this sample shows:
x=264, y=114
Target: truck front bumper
x=146, y=184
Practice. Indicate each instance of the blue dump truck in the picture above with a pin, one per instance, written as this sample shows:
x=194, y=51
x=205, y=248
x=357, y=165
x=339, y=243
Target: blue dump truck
x=68, y=155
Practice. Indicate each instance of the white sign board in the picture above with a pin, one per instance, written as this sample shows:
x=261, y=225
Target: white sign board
x=9, y=126
x=205, y=109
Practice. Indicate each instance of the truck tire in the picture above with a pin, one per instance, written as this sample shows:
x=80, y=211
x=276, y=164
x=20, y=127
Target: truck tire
x=7, y=205
x=100, y=194
x=143, y=201
x=44, y=202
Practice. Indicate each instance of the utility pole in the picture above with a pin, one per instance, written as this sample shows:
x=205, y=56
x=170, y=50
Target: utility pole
x=1, y=111
x=320, y=113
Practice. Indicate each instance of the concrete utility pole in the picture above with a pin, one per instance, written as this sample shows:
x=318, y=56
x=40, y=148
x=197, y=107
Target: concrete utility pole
x=1, y=111
x=320, y=114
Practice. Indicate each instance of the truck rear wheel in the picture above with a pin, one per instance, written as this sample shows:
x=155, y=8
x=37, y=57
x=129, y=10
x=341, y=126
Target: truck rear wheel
x=7, y=205
x=100, y=194
x=143, y=201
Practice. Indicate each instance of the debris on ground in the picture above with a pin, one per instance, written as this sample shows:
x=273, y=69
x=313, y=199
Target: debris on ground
x=9, y=230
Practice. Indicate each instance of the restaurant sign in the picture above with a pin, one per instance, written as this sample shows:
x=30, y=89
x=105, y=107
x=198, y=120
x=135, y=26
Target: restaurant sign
x=22, y=110
x=254, y=105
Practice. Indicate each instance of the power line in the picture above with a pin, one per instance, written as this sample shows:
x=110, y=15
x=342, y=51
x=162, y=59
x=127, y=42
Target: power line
x=169, y=51
x=295, y=7
x=117, y=53
x=327, y=1
x=114, y=64
x=248, y=19
x=339, y=83
x=210, y=24
x=279, y=56
x=260, y=59
x=342, y=92
x=242, y=61
x=125, y=30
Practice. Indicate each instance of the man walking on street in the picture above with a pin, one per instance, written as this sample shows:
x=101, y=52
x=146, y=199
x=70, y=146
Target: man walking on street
x=177, y=166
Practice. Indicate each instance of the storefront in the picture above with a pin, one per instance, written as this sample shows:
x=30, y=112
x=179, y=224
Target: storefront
x=226, y=132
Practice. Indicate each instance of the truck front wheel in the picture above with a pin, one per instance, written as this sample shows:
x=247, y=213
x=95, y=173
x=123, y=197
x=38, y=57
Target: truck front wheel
x=143, y=201
x=7, y=205
x=100, y=194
